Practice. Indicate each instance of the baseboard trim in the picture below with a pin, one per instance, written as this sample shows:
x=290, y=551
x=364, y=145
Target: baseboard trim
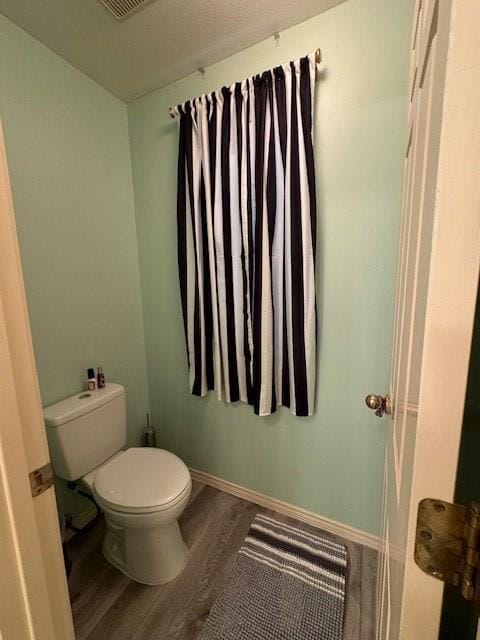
x=309, y=517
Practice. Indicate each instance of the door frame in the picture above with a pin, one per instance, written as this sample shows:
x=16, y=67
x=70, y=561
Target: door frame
x=450, y=303
x=454, y=285
x=36, y=606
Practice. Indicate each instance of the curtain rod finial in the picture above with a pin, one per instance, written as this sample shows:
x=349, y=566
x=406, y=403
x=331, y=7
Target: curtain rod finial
x=171, y=112
x=318, y=56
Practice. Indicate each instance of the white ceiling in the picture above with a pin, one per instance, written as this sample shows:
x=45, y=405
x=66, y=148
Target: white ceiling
x=165, y=41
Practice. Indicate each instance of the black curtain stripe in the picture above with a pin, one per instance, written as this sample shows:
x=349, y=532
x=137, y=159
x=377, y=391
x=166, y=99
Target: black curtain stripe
x=281, y=102
x=307, y=125
x=298, y=316
x=207, y=293
x=182, y=229
x=197, y=384
x=227, y=248
x=250, y=234
x=212, y=151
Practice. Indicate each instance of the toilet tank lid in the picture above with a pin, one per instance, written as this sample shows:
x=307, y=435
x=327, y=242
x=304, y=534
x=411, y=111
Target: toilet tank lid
x=80, y=404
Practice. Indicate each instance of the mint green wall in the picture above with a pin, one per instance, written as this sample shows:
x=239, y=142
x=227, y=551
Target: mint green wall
x=331, y=463
x=69, y=157
x=69, y=160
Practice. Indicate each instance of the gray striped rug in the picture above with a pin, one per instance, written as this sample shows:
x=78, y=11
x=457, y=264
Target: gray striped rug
x=286, y=584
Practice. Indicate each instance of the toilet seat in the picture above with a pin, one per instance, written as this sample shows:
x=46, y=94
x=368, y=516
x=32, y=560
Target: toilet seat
x=142, y=480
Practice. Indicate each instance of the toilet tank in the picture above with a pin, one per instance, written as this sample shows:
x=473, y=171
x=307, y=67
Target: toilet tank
x=86, y=429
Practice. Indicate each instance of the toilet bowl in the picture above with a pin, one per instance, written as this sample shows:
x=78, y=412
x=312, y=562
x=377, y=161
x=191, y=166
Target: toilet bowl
x=142, y=491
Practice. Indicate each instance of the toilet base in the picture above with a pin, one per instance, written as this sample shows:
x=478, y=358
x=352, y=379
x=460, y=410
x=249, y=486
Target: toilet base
x=161, y=578
x=148, y=548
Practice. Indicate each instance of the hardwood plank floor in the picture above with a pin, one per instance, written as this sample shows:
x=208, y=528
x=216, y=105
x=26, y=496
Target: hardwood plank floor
x=106, y=605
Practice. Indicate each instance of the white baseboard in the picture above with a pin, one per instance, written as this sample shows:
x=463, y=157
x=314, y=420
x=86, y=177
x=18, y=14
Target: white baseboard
x=331, y=526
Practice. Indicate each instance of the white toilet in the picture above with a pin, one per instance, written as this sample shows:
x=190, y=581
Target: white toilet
x=142, y=491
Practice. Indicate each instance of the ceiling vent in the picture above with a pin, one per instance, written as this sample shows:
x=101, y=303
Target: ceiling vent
x=121, y=9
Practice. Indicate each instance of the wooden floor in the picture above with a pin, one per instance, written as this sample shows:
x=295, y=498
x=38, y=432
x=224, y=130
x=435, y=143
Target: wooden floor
x=107, y=605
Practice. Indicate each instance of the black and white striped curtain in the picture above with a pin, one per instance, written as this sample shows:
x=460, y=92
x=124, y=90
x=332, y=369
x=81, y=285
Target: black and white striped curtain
x=246, y=239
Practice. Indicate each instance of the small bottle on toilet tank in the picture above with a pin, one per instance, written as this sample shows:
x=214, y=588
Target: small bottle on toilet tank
x=91, y=380
x=100, y=378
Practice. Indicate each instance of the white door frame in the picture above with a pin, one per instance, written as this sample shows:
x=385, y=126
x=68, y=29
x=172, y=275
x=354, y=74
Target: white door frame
x=454, y=284
x=34, y=602
x=445, y=80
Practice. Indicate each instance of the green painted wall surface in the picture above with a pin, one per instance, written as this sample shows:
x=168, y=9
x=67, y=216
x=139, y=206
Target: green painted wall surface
x=68, y=152
x=69, y=161
x=331, y=463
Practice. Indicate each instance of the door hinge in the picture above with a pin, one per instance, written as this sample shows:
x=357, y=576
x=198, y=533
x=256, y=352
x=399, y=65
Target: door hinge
x=41, y=479
x=447, y=545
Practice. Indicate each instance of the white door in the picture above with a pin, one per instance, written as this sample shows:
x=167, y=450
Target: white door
x=437, y=282
x=34, y=602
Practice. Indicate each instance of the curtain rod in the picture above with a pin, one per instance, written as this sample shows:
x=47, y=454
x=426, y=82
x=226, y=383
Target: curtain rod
x=318, y=59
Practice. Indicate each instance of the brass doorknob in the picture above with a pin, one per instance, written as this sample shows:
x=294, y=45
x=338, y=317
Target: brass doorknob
x=379, y=404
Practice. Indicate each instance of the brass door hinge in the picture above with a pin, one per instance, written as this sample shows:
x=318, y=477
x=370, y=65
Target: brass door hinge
x=447, y=545
x=41, y=479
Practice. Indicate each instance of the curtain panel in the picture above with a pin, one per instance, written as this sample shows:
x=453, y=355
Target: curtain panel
x=246, y=215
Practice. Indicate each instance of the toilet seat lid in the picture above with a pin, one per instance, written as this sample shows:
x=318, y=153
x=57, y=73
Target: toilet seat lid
x=142, y=478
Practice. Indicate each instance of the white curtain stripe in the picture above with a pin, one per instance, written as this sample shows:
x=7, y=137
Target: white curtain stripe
x=266, y=355
x=246, y=239
x=236, y=226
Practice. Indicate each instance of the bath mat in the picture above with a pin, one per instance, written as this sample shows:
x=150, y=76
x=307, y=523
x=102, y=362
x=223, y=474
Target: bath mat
x=285, y=584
